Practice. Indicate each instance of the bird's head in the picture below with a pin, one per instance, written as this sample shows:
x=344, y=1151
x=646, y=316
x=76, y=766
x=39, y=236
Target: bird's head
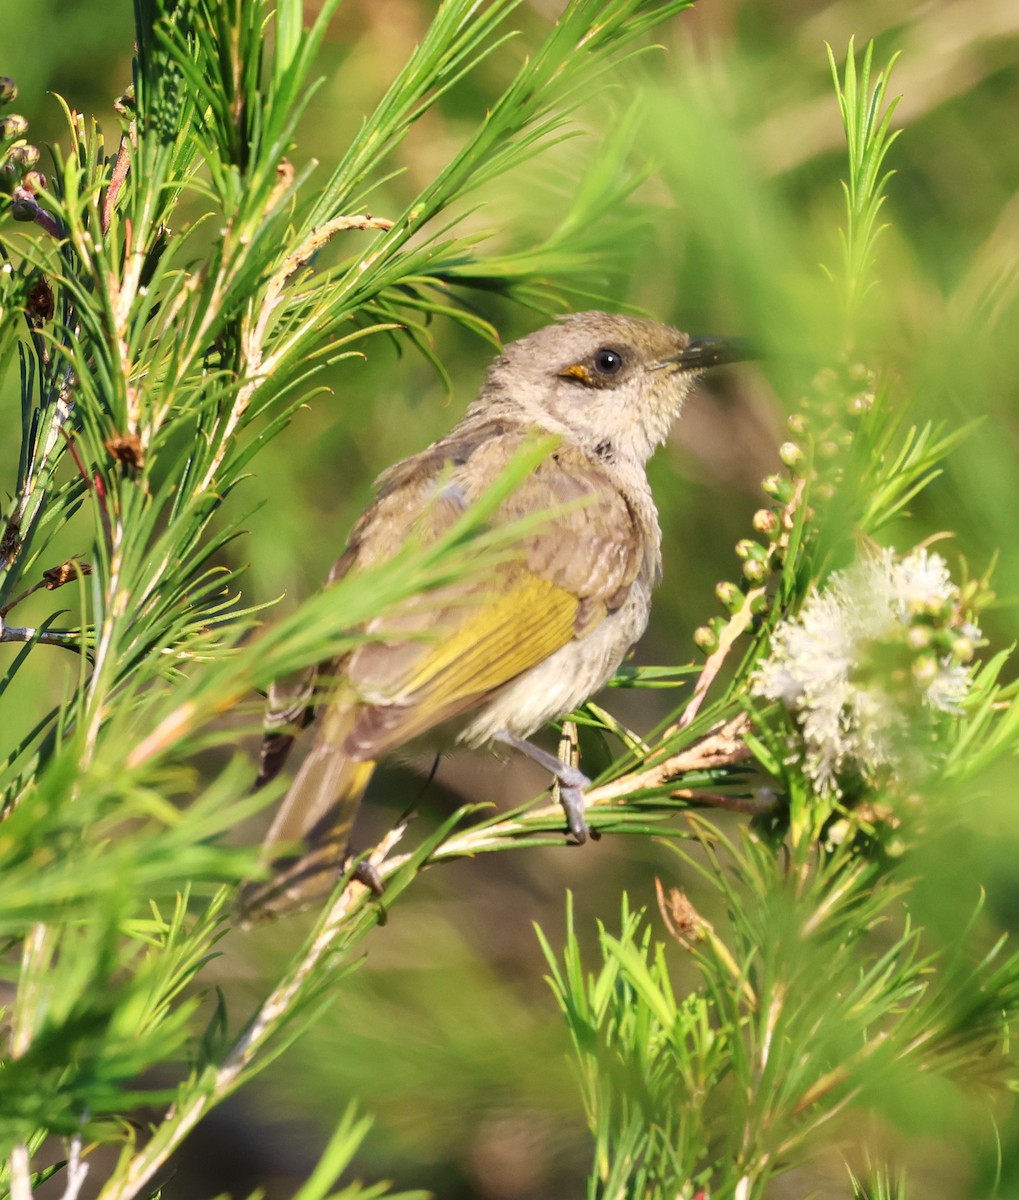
x=612, y=383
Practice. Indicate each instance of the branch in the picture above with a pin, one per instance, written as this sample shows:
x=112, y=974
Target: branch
x=264, y=1025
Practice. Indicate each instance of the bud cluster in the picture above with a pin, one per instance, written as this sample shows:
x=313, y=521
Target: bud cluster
x=821, y=431
x=18, y=158
x=824, y=427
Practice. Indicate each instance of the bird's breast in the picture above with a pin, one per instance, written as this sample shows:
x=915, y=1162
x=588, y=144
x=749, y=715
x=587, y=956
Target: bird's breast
x=564, y=680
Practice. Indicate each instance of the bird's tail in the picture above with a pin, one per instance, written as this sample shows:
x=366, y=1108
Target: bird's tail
x=309, y=838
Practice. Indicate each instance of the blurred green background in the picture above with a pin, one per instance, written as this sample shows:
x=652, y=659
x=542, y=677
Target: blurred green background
x=448, y=1033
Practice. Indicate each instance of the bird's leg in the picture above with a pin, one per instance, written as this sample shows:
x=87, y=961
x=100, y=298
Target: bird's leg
x=572, y=781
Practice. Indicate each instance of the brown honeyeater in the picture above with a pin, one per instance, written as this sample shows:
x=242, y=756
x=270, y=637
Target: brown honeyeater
x=495, y=657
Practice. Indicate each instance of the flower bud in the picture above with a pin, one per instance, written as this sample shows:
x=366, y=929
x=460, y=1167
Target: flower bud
x=729, y=594
x=779, y=487
x=919, y=637
x=925, y=670
x=747, y=548
x=859, y=403
x=824, y=380
x=765, y=521
x=791, y=455
x=860, y=373
x=797, y=422
x=706, y=639
x=963, y=649
x=13, y=127
x=755, y=571
x=8, y=90
x=24, y=156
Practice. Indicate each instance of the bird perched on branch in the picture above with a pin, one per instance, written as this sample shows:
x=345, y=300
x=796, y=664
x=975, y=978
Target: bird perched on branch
x=494, y=657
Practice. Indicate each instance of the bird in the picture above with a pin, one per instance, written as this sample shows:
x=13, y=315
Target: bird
x=487, y=661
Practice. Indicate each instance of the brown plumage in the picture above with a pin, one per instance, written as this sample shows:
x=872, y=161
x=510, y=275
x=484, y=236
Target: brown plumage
x=497, y=656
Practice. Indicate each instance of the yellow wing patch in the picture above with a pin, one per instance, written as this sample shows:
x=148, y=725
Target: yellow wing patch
x=486, y=646
x=498, y=641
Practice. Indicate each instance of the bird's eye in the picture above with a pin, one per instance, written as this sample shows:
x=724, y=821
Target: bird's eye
x=608, y=361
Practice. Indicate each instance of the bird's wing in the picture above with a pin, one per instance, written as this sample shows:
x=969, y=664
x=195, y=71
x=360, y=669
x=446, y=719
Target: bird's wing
x=444, y=653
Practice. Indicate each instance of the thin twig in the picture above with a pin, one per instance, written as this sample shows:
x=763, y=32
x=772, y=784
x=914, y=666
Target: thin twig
x=253, y=335
x=20, y=1174
x=737, y=624
x=45, y=637
x=724, y=746
x=319, y=237
x=76, y=1170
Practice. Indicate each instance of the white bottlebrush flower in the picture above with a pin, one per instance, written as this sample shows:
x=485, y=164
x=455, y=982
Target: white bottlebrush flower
x=879, y=644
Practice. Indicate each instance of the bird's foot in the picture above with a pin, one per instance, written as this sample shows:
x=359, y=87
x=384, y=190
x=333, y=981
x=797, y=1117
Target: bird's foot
x=572, y=784
x=367, y=873
x=571, y=796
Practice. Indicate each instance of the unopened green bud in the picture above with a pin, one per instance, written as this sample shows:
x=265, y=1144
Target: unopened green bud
x=13, y=127
x=779, y=487
x=765, y=521
x=825, y=380
x=925, y=670
x=963, y=649
x=755, y=571
x=706, y=639
x=919, y=637
x=859, y=403
x=861, y=373
x=797, y=422
x=24, y=156
x=729, y=594
x=791, y=454
x=747, y=548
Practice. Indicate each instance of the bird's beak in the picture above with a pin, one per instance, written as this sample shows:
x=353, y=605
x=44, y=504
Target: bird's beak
x=701, y=353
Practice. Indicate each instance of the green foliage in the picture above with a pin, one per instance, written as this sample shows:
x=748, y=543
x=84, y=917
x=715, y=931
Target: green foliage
x=165, y=310
x=815, y=1002
x=822, y=998
x=867, y=120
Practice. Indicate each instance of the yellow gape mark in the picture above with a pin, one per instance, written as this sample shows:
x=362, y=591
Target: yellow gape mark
x=577, y=371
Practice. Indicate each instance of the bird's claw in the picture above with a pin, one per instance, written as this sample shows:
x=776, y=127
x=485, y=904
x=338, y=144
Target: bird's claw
x=367, y=873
